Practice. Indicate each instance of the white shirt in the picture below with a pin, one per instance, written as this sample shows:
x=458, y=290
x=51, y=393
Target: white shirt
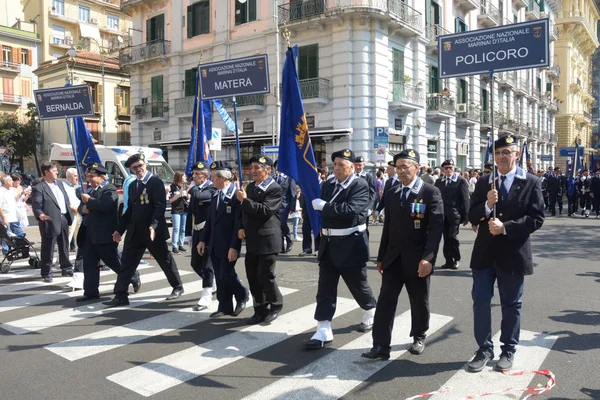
x=70, y=189
x=510, y=178
x=58, y=194
x=8, y=205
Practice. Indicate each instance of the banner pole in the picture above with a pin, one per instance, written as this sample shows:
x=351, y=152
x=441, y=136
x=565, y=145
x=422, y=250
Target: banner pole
x=81, y=176
x=493, y=136
x=237, y=141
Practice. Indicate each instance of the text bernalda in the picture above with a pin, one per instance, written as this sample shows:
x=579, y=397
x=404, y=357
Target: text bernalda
x=233, y=83
x=64, y=107
x=492, y=56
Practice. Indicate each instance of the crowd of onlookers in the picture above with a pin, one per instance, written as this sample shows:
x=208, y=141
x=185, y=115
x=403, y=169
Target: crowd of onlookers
x=13, y=206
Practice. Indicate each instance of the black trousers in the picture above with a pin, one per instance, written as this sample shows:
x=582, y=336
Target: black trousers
x=285, y=228
x=355, y=278
x=546, y=199
x=133, y=251
x=307, y=236
x=92, y=254
x=572, y=204
x=451, y=244
x=201, y=264
x=418, y=293
x=585, y=202
x=555, y=199
x=260, y=271
x=47, y=250
x=228, y=284
x=597, y=203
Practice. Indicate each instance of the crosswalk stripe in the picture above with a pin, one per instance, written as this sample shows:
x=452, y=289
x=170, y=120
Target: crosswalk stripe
x=28, y=272
x=337, y=373
x=532, y=350
x=164, y=373
x=55, y=295
x=109, y=339
x=62, y=317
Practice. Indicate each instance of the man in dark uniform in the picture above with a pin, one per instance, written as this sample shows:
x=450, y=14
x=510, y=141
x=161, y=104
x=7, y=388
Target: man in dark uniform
x=221, y=242
x=455, y=193
x=359, y=169
x=146, y=228
x=344, y=246
x=261, y=206
x=595, y=190
x=584, y=193
x=390, y=183
x=288, y=188
x=411, y=236
x=502, y=250
x=99, y=207
x=201, y=195
x=554, y=186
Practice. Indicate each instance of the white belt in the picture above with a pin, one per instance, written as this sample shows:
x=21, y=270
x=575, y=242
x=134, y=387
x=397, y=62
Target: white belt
x=200, y=226
x=343, y=232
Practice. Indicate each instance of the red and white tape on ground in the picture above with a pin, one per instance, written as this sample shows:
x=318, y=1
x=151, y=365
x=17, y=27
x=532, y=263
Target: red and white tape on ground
x=533, y=391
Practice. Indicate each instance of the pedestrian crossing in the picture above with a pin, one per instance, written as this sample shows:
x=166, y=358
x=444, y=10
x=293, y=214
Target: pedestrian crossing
x=116, y=343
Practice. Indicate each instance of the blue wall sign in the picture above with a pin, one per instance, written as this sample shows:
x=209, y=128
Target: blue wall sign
x=269, y=149
x=241, y=76
x=546, y=157
x=68, y=101
x=569, y=151
x=381, y=137
x=504, y=48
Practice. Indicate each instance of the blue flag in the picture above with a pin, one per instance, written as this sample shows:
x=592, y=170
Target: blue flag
x=86, y=151
x=526, y=155
x=194, y=134
x=224, y=115
x=296, y=156
x=205, y=129
x=487, y=159
x=575, y=165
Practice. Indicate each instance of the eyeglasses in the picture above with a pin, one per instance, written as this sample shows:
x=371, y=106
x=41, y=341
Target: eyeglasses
x=138, y=166
x=504, y=153
x=448, y=167
x=404, y=167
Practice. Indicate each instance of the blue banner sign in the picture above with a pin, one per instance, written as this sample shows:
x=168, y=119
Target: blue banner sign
x=547, y=157
x=381, y=137
x=504, y=48
x=569, y=151
x=67, y=101
x=241, y=76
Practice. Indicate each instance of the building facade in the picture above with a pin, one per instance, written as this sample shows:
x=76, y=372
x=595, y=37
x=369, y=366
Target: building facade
x=362, y=65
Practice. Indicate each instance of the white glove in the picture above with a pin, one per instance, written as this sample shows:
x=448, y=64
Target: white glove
x=318, y=204
x=184, y=193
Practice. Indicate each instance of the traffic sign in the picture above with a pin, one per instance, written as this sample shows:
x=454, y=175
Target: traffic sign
x=504, y=48
x=237, y=77
x=68, y=101
x=569, y=151
x=381, y=137
x=269, y=149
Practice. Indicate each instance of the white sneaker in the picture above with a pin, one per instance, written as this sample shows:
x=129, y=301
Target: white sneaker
x=298, y=239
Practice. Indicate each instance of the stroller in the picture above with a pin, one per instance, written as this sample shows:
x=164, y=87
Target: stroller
x=18, y=249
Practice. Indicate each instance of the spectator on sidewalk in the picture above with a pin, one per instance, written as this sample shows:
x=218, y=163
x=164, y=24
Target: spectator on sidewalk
x=21, y=194
x=71, y=185
x=8, y=209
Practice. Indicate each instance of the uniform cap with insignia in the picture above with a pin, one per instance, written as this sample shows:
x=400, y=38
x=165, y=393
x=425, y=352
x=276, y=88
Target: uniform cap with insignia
x=135, y=158
x=391, y=163
x=200, y=167
x=448, y=163
x=408, y=154
x=345, y=154
x=95, y=168
x=220, y=166
x=506, y=141
x=359, y=159
x=262, y=160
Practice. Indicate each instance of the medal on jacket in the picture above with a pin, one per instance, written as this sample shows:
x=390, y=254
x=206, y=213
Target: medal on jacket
x=144, y=197
x=417, y=224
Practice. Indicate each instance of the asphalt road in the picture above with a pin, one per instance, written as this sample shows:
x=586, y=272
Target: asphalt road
x=169, y=352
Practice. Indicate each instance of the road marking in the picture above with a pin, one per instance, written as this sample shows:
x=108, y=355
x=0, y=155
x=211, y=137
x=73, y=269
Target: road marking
x=532, y=350
x=55, y=295
x=337, y=373
x=164, y=373
x=28, y=272
x=109, y=339
x=62, y=317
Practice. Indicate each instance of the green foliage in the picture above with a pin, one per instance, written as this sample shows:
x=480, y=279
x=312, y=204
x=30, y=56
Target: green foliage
x=20, y=138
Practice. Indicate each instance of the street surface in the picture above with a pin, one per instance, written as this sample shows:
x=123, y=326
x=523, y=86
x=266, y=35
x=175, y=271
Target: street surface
x=54, y=348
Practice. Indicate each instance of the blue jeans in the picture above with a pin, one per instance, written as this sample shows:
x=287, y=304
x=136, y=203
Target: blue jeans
x=15, y=228
x=510, y=288
x=178, y=235
x=295, y=221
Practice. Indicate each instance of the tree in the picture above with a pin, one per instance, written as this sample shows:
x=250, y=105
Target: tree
x=21, y=139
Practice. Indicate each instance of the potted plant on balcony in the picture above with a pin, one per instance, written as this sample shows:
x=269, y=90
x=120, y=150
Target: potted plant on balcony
x=407, y=78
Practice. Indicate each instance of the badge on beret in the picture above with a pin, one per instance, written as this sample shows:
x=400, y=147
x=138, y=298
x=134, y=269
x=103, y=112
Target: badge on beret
x=213, y=165
x=95, y=165
x=200, y=165
x=262, y=160
x=142, y=156
x=411, y=153
x=451, y=162
x=509, y=139
x=347, y=153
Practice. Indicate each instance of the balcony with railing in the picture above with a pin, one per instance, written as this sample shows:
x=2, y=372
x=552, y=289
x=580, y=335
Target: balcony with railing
x=576, y=85
x=489, y=15
x=183, y=107
x=407, y=97
x=151, y=112
x=545, y=99
x=315, y=90
x=123, y=111
x=508, y=125
x=440, y=107
x=470, y=117
x=251, y=102
x=125, y=4
x=522, y=88
x=553, y=72
x=467, y=5
x=553, y=32
x=518, y=4
x=533, y=10
x=553, y=107
x=507, y=80
x=10, y=99
x=144, y=52
x=535, y=94
x=431, y=33
x=9, y=66
x=587, y=115
x=485, y=119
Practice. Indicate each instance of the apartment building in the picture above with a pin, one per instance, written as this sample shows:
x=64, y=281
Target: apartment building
x=595, y=87
x=362, y=64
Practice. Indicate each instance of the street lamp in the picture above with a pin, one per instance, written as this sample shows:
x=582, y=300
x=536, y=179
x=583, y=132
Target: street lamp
x=72, y=53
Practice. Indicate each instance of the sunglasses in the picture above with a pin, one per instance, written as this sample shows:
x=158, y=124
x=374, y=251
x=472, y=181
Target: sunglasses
x=138, y=166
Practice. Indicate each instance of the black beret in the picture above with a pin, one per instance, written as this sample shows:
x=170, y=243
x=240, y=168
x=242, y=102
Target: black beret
x=447, y=163
x=488, y=166
x=346, y=154
x=200, y=166
x=220, y=166
x=359, y=159
x=263, y=160
x=584, y=170
x=391, y=164
x=135, y=158
x=319, y=169
x=408, y=154
x=556, y=168
x=506, y=141
x=275, y=163
x=95, y=168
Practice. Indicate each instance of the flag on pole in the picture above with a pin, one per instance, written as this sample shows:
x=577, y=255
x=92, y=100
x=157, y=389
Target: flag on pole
x=194, y=134
x=86, y=151
x=296, y=156
x=205, y=129
x=574, y=166
x=526, y=155
x=487, y=159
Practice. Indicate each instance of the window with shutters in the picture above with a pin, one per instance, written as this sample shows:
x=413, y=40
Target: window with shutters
x=198, y=18
x=245, y=12
x=485, y=100
x=190, y=82
x=25, y=59
x=157, y=96
x=433, y=83
x=308, y=62
x=96, y=91
x=25, y=87
x=461, y=26
x=93, y=128
x=155, y=28
x=461, y=91
x=7, y=53
x=398, y=74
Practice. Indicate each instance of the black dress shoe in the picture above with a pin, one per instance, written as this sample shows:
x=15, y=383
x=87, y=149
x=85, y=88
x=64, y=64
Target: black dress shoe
x=117, y=302
x=67, y=272
x=255, y=319
x=104, y=268
x=445, y=266
x=289, y=247
x=305, y=253
x=239, y=308
x=377, y=352
x=175, y=250
x=417, y=347
x=217, y=314
x=182, y=249
x=272, y=316
x=86, y=298
x=316, y=344
x=48, y=279
x=137, y=286
x=364, y=328
x=176, y=293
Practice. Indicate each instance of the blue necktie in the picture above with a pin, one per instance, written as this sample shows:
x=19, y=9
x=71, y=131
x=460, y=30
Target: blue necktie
x=221, y=198
x=404, y=194
x=503, y=191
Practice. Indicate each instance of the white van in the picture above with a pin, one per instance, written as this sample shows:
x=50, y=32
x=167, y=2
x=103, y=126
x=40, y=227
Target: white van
x=113, y=158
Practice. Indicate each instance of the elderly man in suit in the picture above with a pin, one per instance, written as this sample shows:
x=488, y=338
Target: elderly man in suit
x=344, y=246
x=51, y=208
x=261, y=205
x=146, y=228
x=502, y=250
x=411, y=236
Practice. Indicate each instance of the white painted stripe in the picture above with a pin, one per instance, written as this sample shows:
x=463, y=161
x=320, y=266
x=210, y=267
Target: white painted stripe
x=45, y=321
x=337, y=373
x=28, y=272
x=532, y=350
x=55, y=295
x=109, y=339
x=167, y=372
x=15, y=287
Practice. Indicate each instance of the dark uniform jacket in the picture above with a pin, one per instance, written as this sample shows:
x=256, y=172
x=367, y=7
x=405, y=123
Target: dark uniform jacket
x=456, y=197
x=522, y=214
x=288, y=190
x=348, y=209
x=222, y=225
x=390, y=183
x=261, y=210
x=102, y=220
x=44, y=202
x=146, y=209
x=554, y=184
x=583, y=186
x=200, y=198
x=371, y=183
x=408, y=242
x=595, y=186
